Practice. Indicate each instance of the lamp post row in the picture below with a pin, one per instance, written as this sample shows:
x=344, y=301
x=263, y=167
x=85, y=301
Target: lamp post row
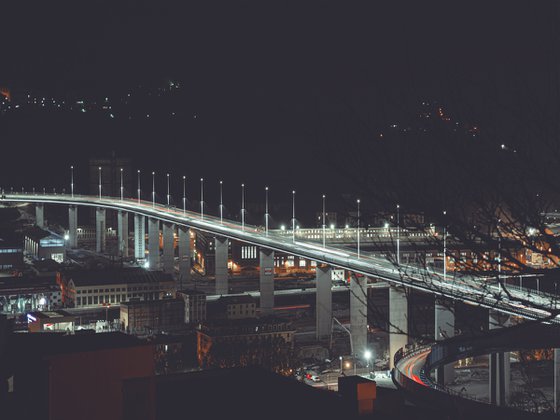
x=221, y=208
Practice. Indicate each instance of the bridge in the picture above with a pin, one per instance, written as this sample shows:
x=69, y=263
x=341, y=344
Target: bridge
x=487, y=293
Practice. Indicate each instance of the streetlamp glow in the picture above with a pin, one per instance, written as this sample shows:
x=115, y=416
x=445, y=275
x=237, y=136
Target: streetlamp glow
x=100, y=182
x=72, y=180
x=324, y=225
x=202, y=198
x=122, y=185
x=266, y=210
x=153, y=189
x=358, y=228
x=242, y=206
x=367, y=356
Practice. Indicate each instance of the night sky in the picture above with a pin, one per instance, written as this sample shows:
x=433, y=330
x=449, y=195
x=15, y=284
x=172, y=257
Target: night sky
x=283, y=92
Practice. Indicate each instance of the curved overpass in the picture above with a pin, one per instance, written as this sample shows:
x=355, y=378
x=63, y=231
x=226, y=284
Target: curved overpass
x=413, y=367
x=468, y=289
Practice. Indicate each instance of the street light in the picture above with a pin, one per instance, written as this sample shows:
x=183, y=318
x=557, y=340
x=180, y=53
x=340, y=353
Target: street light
x=367, y=356
x=168, y=195
x=324, y=225
x=242, y=206
x=153, y=189
x=221, y=203
x=358, y=229
x=202, y=198
x=293, y=216
x=138, y=186
x=266, y=210
x=444, y=247
x=100, y=182
x=72, y=180
x=122, y=185
x=398, y=236
x=184, y=194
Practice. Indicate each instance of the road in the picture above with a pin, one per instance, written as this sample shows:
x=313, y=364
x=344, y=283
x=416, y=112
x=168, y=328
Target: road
x=468, y=289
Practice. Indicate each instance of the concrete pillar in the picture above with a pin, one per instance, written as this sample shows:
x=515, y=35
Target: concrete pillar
x=184, y=256
x=398, y=321
x=153, y=244
x=139, y=236
x=73, y=227
x=323, y=301
x=100, y=227
x=122, y=230
x=221, y=255
x=266, y=281
x=168, y=250
x=499, y=365
x=358, y=314
x=444, y=328
x=556, y=380
x=40, y=215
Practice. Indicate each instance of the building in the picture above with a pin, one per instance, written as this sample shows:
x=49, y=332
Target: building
x=266, y=342
x=11, y=252
x=63, y=377
x=51, y=321
x=41, y=244
x=24, y=294
x=236, y=307
x=152, y=316
x=195, y=305
x=89, y=288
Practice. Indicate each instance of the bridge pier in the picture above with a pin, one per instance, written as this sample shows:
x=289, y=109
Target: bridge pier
x=100, y=226
x=139, y=236
x=444, y=328
x=499, y=365
x=122, y=230
x=168, y=250
x=398, y=321
x=266, y=281
x=184, y=256
x=556, y=380
x=40, y=215
x=73, y=226
x=221, y=254
x=323, y=301
x=153, y=244
x=358, y=314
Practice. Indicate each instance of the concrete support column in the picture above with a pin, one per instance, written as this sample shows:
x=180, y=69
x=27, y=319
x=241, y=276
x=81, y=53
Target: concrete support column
x=556, y=380
x=444, y=328
x=139, y=236
x=266, y=281
x=358, y=314
x=153, y=244
x=499, y=365
x=323, y=301
x=40, y=215
x=221, y=255
x=168, y=250
x=100, y=229
x=122, y=230
x=184, y=256
x=398, y=321
x=73, y=227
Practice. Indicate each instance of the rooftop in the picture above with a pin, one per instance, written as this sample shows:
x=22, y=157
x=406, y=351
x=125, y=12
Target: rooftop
x=48, y=344
x=236, y=299
x=36, y=233
x=115, y=276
